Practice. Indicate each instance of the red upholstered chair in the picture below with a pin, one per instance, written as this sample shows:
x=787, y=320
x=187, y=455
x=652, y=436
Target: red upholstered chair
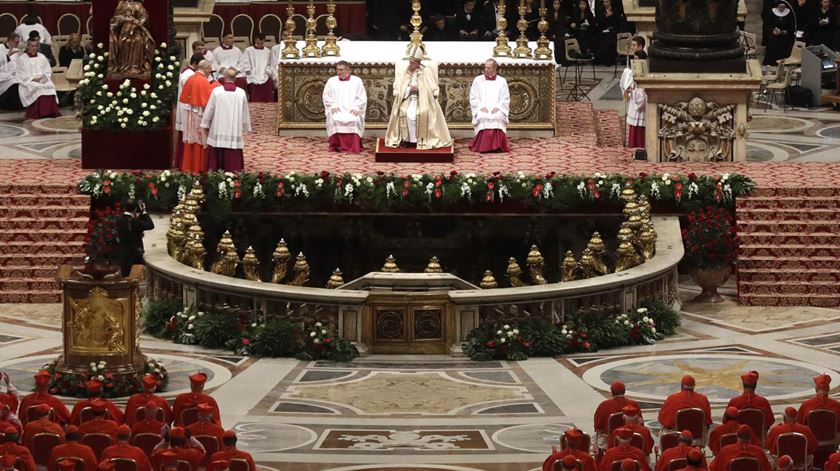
x=238, y=464
x=42, y=445
x=211, y=445
x=638, y=441
x=744, y=463
x=140, y=414
x=558, y=465
x=616, y=465
x=189, y=416
x=124, y=464
x=184, y=466
x=794, y=445
x=693, y=420
x=754, y=418
x=823, y=423
x=80, y=463
x=676, y=463
x=668, y=440
x=728, y=439
x=615, y=421
x=98, y=442
x=146, y=442
x=86, y=415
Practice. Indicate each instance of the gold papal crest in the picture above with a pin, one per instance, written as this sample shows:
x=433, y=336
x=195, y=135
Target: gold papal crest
x=96, y=324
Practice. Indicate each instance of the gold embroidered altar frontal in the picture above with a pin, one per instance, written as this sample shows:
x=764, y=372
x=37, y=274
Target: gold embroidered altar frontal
x=532, y=92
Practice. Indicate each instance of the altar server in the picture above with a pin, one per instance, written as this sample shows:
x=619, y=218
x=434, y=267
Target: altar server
x=416, y=117
x=227, y=118
x=636, y=99
x=37, y=91
x=490, y=105
x=9, y=95
x=200, y=48
x=33, y=23
x=345, y=103
x=194, y=97
x=227, y=55
x=256, y=64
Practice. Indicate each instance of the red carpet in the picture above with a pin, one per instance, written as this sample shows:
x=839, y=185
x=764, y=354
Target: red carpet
x=412, y=155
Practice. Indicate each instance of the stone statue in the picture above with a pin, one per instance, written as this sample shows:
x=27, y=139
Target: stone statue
x=130, y=43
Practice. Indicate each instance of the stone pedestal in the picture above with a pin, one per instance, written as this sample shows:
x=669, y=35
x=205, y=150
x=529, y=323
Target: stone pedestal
x=643, y=14
x=697, y=117
x=188, y=17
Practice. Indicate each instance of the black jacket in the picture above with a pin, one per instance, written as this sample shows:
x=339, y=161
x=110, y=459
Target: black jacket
x=130, y=239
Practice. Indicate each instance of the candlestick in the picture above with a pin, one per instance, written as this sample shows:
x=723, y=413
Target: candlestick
x=330, y=47
x=522, y=50
x=290, y=50
x=502, y=48
x=416, y=21
x=311, y=49
x=542, y=52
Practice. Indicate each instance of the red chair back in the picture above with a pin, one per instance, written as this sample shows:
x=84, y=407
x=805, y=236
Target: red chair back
x=140, y=414
x=836, y=467
x=80, y=463
x=211, y=445
x=42, y=445
x=98, y=442
x=616, y=465
x=754, y=419
x=124, y=464
x=693, y=420
x=238, y=464
x=823, y=424
x=184, y=465
x=728, y=439
x=189, y=416
x=558, y=465
x=146, y=442
x=744, y=463
x=638, y=441
x=615, y=421
x=794, y=445
x=668, y=440
x=676, y=463
x=585, y=445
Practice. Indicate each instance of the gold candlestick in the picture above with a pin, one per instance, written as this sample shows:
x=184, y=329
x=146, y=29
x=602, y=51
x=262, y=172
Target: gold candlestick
x=330, y=47
x=522, y=50
x=311, y=48
x=416, y=21
x=502, y=48
x=542, y=52
x=290, y=50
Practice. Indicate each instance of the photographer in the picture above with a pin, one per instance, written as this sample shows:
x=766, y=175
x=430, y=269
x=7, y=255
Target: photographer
x=130, y=227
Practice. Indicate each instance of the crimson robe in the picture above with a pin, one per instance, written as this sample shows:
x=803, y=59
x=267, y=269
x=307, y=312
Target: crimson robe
x=641, y=430
x=139, y=400
x=582, y=456
x=100, y=425
x=684, y=399
x=62, y=415
x=818, y=402
x=606, y=408
x=730, y=426
x=675, y=453
x=22, y=453
x=115, y=413
x=191, y=455
x=190, y=399
x=124, y=450
x=833, y=462
x=779, y=429
x=74, y=450
x=736, y=450
x=620, y=452
x=43, y=425
x=195, y=95
x=231, y=453
x=750, y=400
x=147, y=426
x=10, y=400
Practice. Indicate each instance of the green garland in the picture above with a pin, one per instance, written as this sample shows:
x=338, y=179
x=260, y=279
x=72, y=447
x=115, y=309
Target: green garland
x=128, y=108
x=75, y=384
x=265, y=191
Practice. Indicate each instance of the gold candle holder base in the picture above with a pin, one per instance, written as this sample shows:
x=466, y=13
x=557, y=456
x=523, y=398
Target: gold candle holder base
x=290, y=49
x=330, y=48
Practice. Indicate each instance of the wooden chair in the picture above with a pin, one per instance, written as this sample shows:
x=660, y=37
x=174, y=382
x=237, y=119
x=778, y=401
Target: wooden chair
x=184, y=465
x=744, y=463
x=89, y=26
x=616, y=465
x=558, y=466
x=638, y=441
x=668, y=440
x=586, y=445
x=87, y=41
x=23, y=18
x=146, y=442
x=271, y=25
x=270, y=41
x=32, y=413
x=693, y=420
x=87, y=415
x=241, y=42
x=573, y=57
x=42, y=445
x=213, y=28
x=242, y=26
x=8, y=24
x=727, y=439
x=98, y=442
x=212, y=43
x=748, y=40
x=794, y=445
x=80, y=463
x=69, y=23
x=59, y=79
x=58, y=40
x=676, y=463
x=124, y=464
x=622, y=49
x=614, y=421
x=754, y=418
x=189, y=416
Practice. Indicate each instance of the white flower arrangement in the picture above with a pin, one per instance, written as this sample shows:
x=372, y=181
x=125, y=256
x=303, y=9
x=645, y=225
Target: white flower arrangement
x=390, y=190
x=466, y=192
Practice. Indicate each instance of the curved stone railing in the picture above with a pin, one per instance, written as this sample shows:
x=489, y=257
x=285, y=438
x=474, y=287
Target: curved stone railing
x=352, y=308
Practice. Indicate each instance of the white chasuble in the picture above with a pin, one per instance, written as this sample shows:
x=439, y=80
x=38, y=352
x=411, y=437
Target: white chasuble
x=227, y=117
x=346, y=95
x=34, y=75
x=487, y=96
x=417, y=116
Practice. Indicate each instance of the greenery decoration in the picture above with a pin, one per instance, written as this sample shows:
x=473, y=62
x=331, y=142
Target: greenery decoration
x=157, y=313
x=493, y=341
x=320, y=344
x=75, y=384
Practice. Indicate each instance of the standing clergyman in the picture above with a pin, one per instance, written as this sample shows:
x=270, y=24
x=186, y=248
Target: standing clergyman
x=490, y=105
x=345, y=103
x=226, y=117
x=416, y=117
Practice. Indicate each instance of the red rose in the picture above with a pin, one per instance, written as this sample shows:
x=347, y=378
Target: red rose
x=154, y=191
x=590, y=184
x=237, y=194
x=488, y=197
x=692, y=176
x=525, y=344
x=151, y=185
x=586, y=345
x=537, y=190
x=405, y=193
x=596, y=194
x=642, y=174
x=325, y=174
x=406, y=183
x=106, y=190
x=491, y=344
x=237, y=183
x=328, y=340
x=246, y=342
x=438, y=182
x=438, y=193
x=490, y=185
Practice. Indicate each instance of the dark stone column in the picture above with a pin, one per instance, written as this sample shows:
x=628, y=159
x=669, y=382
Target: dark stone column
x=174, y=47
x=697, y=36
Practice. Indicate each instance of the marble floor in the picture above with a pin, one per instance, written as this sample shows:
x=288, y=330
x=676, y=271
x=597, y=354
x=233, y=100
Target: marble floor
x=444, y=413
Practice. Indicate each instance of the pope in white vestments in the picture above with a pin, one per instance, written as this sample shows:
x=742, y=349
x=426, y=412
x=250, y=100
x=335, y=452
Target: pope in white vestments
x=345, y=103
x=490, y=105
x=9, y=52
x=37, y=91
x=416, y=117
x=227, y=55
x=226, y=118
x=256, y=64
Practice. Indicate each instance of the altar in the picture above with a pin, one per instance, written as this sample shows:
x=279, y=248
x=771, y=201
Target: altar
x=532, y=85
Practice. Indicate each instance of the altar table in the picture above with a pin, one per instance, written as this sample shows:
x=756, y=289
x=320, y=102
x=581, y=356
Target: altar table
x=532, y=84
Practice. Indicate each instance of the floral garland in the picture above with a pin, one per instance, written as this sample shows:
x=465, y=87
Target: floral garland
x=75, y=384
x=435, y=192
x=129, y=108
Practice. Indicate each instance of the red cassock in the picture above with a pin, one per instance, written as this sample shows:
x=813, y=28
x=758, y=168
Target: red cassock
x=833, y=462
x=190, y=399
x=750, y=400
x=675, y=453
x=43, y=425
x=818, y=402
x=641, y=430
x=75, y=450
x=196, y=93
x=21, y=452
x=730, y=426
x=139, y=400
x=191, y=455
x=62, y=415
x=684, y=399
x=774, y=433
x=736, y=450
x=146, y=426
x=608, y=407
x=10, y=400
x=582, y=456
x=232, y=453
x=100, y=425
x=115, y=413
x=620, y=452
x=124, y=450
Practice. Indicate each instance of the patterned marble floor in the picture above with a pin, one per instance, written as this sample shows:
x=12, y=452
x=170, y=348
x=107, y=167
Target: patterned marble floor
x=443, y=413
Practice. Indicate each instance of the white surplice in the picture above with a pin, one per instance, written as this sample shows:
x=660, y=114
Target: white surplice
x=274, y=65
x=182, y=107
x=636, y=99
x=7, y=69
x=227, y=58
x=24, y=30
x=489, y=94
x=256, y=64
x=35, y=77
x=227, y=118
x=346, y=95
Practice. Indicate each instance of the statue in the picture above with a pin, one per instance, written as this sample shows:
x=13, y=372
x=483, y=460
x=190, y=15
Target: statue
x=130, y=43
x=697, y=131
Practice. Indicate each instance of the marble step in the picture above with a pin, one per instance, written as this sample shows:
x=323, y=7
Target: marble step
x=791, y=250
x=38, y=212
x=787, y=202
x=68, y=248
x=789, y=287
x=786, y=227
x=830, y=300
x=34, y=224
x=784, y=275
x=798, y=215
x=770, y=262
x=788, y=238
x=48, y=235
x=30, y=297
x=79, y=201
x=40, y=259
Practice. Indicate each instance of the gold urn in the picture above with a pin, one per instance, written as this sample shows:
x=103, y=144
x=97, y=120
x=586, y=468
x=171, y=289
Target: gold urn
x=390, y=265
x=301, y=270
x=626, y=257
x=513, y=273
x=336, y=279
x=570, y=267
x=433, y=266
x=280, y=258
x=536, y=265
x=488, y=281
x=251, y=265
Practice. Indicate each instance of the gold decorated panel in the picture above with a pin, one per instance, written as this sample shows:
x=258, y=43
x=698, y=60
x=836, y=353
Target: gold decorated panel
x=97, y=325
x=301, y=86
